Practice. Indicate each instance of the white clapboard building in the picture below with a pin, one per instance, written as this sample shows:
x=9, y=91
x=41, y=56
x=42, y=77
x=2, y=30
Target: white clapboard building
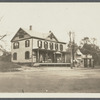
x=28, y=46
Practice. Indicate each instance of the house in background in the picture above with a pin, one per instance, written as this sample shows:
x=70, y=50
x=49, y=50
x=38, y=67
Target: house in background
x=80, y=60
x=83, y=60
x=28, y=46
x=88, y=61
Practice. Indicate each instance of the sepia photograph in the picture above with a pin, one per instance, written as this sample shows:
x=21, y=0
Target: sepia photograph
x=49, y=47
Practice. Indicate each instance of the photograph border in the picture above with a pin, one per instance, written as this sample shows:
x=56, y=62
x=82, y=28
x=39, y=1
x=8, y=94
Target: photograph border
x=49, y=96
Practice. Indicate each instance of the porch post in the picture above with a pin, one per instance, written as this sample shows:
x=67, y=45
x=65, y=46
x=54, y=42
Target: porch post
x=54, y=58
x=32, y=58
x=38, y=55
x=61, y=58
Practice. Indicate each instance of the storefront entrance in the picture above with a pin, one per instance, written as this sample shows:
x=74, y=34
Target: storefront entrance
x=41, y=56
x=57, y=57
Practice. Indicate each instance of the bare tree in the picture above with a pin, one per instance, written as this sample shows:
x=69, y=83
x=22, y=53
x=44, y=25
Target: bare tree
x=1, y=37
x=93, y=40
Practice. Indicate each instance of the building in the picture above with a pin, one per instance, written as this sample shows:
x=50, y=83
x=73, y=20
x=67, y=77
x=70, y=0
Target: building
x=79, y=58
x=83, y=60
x=28, y=46
x=88, y=61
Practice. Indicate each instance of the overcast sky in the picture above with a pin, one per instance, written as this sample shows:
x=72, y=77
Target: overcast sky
x=60, y=18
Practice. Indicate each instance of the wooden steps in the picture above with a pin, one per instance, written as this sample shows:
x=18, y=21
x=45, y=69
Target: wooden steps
x=52, y=64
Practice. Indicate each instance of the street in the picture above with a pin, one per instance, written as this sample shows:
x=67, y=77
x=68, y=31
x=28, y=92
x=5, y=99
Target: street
x=51, y=80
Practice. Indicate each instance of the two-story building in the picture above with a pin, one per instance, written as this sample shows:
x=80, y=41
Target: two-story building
x=28, y=46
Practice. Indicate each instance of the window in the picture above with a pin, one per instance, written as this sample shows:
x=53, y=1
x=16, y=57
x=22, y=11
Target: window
x=15, y=56
x=27, y=55
x=56, y=46
x=61, y=47
x=27, y=43
x=46, y=45
x=16, y=45
x=51, y=46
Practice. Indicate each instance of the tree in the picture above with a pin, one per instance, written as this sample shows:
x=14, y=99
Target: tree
x=90, y=48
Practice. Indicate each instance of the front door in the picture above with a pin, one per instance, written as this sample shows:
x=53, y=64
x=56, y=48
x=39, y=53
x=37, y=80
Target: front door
x=58, y=58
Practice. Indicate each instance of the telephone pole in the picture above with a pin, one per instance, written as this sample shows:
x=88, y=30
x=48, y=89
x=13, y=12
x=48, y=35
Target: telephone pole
x=72, y=44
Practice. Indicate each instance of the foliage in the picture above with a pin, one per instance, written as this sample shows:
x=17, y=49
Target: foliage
x=73, y=45
x=6, y=57
x=90, y=48
x=8, y=67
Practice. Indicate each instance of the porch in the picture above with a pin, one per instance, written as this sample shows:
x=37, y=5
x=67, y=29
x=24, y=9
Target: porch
x=47, y=57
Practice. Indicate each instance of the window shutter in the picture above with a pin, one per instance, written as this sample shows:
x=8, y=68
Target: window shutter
x=39, y=44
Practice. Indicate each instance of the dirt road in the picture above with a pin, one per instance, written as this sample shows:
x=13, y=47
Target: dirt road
x=51, y=80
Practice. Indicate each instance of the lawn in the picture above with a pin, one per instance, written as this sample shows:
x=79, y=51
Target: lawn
x=8, y=66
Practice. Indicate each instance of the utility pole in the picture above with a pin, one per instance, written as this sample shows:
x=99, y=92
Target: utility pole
x=72, y=43
x=73, y=48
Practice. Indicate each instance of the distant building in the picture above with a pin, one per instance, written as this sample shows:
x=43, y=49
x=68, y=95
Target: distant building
x=28, y=46
x=83, y=60
x=80, y=60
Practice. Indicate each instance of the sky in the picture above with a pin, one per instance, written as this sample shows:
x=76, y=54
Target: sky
x=81, y=18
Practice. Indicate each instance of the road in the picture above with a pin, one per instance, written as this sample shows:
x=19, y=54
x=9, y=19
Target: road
x=51, y=80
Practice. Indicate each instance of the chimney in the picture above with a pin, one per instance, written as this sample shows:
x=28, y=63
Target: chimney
x=30, y=28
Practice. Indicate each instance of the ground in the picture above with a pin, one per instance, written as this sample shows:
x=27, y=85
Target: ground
x=51, y=80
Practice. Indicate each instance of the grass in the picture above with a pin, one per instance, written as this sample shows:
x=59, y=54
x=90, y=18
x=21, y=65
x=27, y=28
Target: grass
x=8, y=66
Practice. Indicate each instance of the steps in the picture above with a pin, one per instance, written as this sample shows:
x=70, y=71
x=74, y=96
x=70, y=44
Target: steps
x=51, y=64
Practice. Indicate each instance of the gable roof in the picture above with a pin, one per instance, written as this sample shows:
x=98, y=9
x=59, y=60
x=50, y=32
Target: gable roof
x=39, y=34
x=35, y=34
x=78, y=52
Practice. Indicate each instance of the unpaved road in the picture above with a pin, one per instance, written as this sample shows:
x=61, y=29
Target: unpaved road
x=51, y=80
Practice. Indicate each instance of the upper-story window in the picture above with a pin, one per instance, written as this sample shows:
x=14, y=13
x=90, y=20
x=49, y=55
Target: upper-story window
x=56, y=46
x=27, y=43
x=61, y=47
x=51, y=46
x=46, y=45
x=16, y=45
